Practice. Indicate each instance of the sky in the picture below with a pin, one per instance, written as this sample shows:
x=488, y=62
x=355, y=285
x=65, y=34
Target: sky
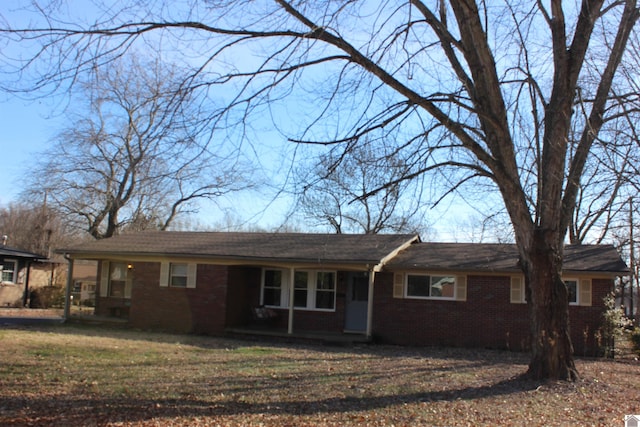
x=27, y=128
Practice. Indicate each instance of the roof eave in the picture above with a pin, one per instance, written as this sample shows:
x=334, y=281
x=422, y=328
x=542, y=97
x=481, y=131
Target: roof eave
x=246, y=260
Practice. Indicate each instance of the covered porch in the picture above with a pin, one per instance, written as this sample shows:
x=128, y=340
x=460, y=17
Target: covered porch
x=332, y=303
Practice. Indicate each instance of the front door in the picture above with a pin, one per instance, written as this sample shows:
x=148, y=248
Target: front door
x=357, y=300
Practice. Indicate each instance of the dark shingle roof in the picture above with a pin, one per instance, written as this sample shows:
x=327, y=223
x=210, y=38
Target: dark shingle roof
x=339, y=249
x=292, y=247
x=501, y=257
x=7, y=252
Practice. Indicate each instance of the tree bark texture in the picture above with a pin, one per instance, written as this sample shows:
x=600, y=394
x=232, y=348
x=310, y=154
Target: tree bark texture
x=552, y=351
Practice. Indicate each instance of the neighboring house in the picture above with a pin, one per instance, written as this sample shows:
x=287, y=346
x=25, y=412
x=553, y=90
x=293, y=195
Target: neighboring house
x=15, y=275
x=393, y=288
x=83, y=290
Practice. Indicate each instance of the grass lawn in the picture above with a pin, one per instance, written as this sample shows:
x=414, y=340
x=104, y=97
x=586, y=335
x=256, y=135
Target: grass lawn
x=77, y=375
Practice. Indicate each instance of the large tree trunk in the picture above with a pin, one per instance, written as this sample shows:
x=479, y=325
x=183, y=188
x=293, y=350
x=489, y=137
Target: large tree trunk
x=552, y=351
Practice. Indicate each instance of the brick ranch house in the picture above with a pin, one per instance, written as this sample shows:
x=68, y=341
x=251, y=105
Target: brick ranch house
x=17, y=268
x=393, y=288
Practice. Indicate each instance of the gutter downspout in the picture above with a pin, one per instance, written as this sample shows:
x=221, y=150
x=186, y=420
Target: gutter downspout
x=67, y=292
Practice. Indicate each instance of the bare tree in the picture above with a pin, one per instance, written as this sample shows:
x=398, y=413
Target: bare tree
x=611, y=173
x=481, y=93
x=333, y=193
x=33, y=228
x=132, y=156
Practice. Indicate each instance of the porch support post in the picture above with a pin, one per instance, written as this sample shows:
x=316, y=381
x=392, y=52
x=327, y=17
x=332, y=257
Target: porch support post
x=25, y=294
x=372, y=279
x=291, y=295
x=67, y=292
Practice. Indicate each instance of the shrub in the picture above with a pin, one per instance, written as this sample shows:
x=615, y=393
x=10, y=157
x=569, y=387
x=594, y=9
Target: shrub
x=88, y=303
x=613, y=326
x=635, y=339
x=47, y=297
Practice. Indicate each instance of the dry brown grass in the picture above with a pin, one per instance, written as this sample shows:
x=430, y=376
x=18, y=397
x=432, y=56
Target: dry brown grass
x=91, y=376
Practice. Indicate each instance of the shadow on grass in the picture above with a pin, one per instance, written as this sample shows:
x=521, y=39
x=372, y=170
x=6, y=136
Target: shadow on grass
x=478, y=356
x=67, y=410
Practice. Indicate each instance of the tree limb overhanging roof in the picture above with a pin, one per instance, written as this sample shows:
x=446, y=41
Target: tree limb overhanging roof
x=502, y=258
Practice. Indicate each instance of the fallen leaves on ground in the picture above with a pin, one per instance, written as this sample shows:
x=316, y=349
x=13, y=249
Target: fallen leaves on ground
x=92, y=376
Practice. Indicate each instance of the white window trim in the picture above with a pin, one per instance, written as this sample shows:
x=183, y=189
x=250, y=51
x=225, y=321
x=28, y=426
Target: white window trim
x=284, y=287
x=517, y=293
x=312, y=277
x=574, y=279
x=165, y=272
x=456, y=280
x=15, y=271
x=584, y=291
x=105, y=281
x=312, y=288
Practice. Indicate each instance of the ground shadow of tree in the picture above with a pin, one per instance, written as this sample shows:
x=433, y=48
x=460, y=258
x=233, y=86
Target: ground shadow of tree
x=78, y=410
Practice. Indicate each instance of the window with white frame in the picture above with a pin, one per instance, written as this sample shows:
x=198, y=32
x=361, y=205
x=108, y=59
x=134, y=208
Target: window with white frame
x=300, y=285
x=579, y=290
x=9, y=271
x=117, y=279
x=178, y=274
x=573, y=290
x=430, y=286
x=312, y=289
x=272, y=287
x=325, y=290
x=518, y=294
x=315, y=289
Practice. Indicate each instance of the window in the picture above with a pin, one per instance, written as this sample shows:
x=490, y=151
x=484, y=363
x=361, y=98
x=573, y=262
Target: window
x=572, y=288
x=272, y=288
x=418, y=286
x=579, y=291
x=117, y=279
x=178, y=275
x=315, y=290
x=427, y=286
x=517, y=291
x=312, y=289
x=9, y=270
x=325, y=290
x=300, y=294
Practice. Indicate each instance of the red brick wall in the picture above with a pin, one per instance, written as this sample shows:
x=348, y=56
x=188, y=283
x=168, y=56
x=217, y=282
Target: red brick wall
x=199, y=310
x=485, y=319
x=224, y=296
x=587, y=321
